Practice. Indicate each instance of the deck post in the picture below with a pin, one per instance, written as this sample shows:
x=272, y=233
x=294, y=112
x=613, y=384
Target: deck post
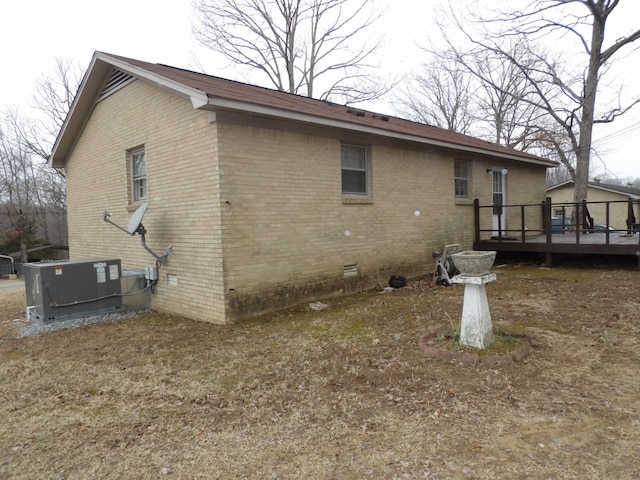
x=576, y=218
x=523, y=225
x=476, y=219
x=608, y=220
x=587, y=219
x=631, y=218
x=546, y=218
x=546, y=222
x=636, y=230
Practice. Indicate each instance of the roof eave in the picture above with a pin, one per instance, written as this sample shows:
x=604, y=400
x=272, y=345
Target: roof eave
x=198, y=97
x=613, y=190
x=101, y=64
x=219, y=102
x=596, y=186
x=89, y=91
x=560, y=185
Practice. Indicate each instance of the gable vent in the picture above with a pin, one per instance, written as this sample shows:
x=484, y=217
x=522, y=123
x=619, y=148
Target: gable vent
x=117, y=79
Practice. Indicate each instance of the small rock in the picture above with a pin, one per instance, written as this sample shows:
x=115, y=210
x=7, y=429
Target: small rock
x=317, y=306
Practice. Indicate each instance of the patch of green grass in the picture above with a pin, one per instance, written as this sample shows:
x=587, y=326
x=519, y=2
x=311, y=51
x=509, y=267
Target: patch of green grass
x=504, y=342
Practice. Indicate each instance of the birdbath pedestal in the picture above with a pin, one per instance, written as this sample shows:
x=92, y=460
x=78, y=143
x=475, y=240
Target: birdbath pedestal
x=476, y=329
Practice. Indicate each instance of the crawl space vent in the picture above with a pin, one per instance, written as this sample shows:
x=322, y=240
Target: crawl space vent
x=350, y=270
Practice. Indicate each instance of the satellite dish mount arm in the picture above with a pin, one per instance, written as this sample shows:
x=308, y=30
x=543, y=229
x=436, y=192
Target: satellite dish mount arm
x=135, y=226
x=105, y=217
x=160, y=258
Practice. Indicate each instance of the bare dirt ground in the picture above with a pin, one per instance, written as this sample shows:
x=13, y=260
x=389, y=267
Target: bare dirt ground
x=341, y=393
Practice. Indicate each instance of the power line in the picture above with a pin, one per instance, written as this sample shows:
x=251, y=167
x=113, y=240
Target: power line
x=611, y=137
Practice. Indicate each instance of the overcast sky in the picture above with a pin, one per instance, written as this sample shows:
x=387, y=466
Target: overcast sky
x=34, y=32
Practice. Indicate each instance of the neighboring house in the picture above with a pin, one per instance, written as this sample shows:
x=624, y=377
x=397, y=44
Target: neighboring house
x=598, y=194
x=268, y=199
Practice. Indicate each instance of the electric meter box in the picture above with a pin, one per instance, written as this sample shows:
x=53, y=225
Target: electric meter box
x=72, y=288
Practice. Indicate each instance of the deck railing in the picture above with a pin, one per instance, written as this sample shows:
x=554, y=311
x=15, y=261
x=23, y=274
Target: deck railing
x=518, y=222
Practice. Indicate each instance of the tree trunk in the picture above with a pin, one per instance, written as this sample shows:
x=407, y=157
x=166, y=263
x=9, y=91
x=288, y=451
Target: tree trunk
x=588, y=107
x=24, y=254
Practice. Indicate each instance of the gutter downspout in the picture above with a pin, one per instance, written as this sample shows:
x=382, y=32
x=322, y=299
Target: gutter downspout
x=10, y=258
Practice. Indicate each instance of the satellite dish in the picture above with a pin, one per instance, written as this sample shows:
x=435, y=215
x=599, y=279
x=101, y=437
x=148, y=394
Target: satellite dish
x=136, y=219
x=135, y=226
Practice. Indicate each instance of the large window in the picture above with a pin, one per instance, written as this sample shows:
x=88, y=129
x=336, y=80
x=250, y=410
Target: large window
x=355, y=168
x=461, y=178
x=138, y=174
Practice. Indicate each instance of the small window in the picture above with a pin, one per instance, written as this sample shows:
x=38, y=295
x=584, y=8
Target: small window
x=138, y=174
x=354, y=170
x=461, y=178
x=561, y=212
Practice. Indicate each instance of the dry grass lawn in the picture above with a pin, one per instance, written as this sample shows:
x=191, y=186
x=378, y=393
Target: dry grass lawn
x=342, y=393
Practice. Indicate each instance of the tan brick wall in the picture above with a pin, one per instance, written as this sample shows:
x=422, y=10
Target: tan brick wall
x=253, y=208
x=524, y=185
x=285, y=230
x=183, y=195
x=285, y=226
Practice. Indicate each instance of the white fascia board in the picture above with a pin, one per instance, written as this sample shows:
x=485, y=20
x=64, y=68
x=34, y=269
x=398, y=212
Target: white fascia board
x=327, y=122
x=198, y=97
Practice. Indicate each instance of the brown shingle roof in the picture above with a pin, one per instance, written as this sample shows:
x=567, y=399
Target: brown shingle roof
x=216, y=87
x=209, y=92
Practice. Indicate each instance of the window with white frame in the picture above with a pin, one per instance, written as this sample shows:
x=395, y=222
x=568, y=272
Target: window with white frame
x=461, y=178
x=138, y=174
x=355, y=170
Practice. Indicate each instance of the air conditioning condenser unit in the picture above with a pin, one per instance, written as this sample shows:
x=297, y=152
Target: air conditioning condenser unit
x=72, y=288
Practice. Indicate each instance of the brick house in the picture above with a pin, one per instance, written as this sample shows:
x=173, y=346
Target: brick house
x=268, y=199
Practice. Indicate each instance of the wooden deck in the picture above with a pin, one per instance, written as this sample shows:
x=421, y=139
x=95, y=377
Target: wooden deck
x=579, y=239
x=586, y=243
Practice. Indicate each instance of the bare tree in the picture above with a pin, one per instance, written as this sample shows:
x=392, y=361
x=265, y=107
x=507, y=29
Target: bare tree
x=32, y=196
x=478, y=94
x=557, y=175
x=300, y=46
x=568, y=98
x=17, y=186
x=53, y=99
x=440, y=96
x=502, y=94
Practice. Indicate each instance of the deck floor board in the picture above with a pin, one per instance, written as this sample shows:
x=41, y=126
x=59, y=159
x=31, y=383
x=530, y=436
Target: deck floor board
x=586, y=243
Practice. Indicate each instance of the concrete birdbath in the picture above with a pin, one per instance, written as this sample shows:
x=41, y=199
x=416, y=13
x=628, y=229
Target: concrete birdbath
x=476, y=329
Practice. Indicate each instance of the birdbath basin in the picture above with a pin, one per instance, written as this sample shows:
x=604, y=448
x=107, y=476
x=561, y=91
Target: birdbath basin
x=476, y=329
x=473, y=263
